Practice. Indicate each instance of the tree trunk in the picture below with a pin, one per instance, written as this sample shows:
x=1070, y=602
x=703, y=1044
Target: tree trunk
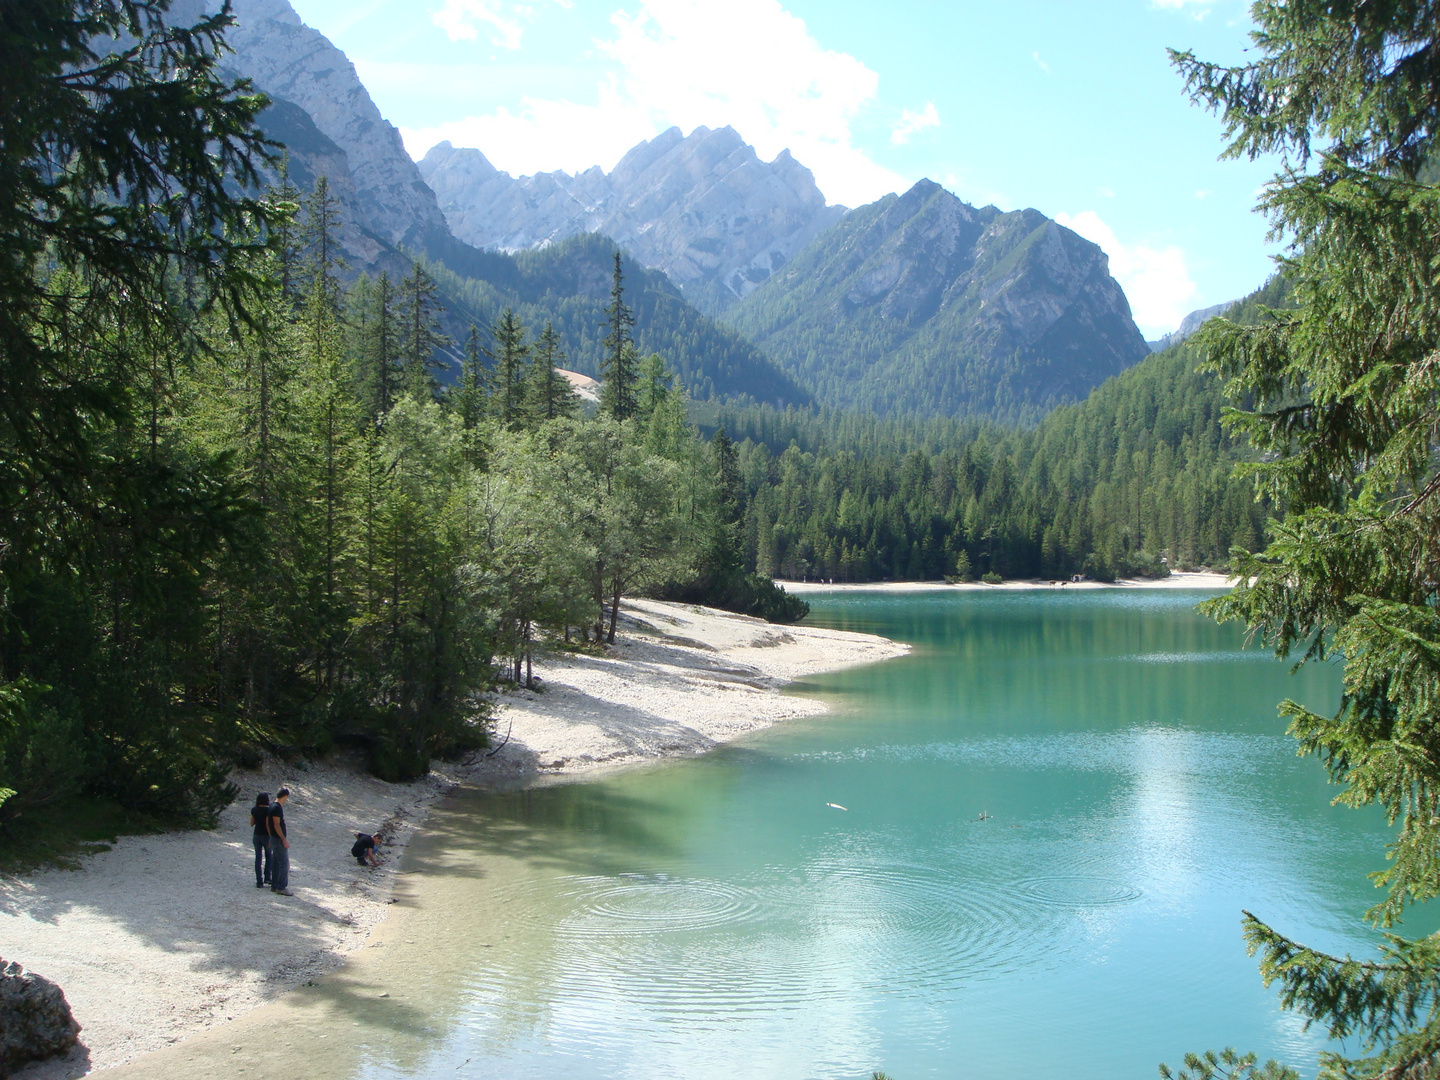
x=614, y=609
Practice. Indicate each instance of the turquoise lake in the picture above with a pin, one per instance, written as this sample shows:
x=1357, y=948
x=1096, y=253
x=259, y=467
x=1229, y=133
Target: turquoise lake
x=1055, y=810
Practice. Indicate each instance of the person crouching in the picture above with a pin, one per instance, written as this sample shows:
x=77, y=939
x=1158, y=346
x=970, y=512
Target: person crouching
x=364, y=850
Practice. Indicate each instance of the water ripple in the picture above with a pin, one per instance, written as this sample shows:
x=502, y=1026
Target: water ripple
x=1077, y=891
x=633, y=904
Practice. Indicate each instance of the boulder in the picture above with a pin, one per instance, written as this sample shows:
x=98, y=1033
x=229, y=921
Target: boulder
x=35, y=1020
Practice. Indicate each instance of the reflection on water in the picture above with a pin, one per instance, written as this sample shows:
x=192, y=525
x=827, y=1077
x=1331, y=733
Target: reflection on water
x=1057, y=807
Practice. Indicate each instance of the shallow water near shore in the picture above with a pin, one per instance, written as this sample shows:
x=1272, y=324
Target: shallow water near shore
x=1022, y=850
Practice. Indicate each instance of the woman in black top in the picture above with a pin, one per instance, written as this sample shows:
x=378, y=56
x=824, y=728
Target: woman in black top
x=260, y=830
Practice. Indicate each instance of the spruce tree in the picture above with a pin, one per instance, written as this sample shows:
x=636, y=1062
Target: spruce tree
x=653, y=385
x=549, y=396
x=380, y=370
x=620, y=366
x=508, y=371
x=323, y=261
x=1340, y=396
x=467, y=396
x=283, y=235
x=421, y=336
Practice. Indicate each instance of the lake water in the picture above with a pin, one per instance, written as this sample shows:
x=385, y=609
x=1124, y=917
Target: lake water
x=1054, y=811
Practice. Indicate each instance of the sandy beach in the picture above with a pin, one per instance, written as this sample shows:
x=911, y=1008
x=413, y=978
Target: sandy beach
x=165, y=936
x=1179, y=579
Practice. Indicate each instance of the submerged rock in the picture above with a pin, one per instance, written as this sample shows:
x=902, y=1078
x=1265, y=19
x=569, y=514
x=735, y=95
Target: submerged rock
x=35, y=1019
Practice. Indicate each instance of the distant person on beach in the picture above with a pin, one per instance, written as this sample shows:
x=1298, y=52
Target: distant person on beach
x=364, y=850
x=260, y=837
x=279, y=845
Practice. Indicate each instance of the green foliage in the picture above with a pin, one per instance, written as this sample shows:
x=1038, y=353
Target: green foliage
x=1340, y=396
x=1228, y=1065
x=893, y=310
x=567, y=285
x=39, y=762
x=1138, y=472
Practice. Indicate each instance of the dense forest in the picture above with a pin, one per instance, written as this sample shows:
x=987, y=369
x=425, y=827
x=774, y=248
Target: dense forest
x=243, y=514
x=567, y=285
x=1138, y=478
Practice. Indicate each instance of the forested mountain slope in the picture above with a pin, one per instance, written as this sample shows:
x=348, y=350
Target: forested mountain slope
x=330, y=127
x=569, y=284
x=922, y=304
x=1138, y=477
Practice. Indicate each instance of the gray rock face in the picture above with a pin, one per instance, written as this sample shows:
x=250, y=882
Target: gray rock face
x=704, y=208
x=289, y=60
x=1190, y=324
x=330, y=126
x=923, y=304
x=35, y=1020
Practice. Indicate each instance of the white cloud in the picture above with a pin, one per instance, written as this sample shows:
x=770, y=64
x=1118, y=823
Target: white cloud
x=461, y=20
x=749, y=63
x=1198, y=9
x=1201, y=193
x=1104, y=192
x=1156, y=280
x=1043, y=66
x=912, y=122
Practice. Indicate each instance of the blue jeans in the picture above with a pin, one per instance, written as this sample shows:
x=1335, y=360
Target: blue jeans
x=279, y=864
x=262, y=860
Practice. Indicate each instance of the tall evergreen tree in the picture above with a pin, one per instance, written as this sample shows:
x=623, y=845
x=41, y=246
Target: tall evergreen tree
x=284, y=239
x=121, y=142
x=654, y=384
x=377, y=352
x=421, y=336
x=508, y=351
x=323, y=260
x=467, y=395
x=1341, y=395
x=620, y=367
x=548, y=395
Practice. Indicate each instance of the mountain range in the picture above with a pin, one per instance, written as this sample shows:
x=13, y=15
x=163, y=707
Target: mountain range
x=921, y=304
x=704, y=208
x=916, y=303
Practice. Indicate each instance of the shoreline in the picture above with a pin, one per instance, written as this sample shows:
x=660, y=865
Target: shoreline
x=1179, y=579
x=164, y=936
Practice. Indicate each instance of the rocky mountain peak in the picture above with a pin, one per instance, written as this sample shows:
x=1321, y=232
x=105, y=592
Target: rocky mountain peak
x=381, y=190
x=921, y=303
x=702, y=207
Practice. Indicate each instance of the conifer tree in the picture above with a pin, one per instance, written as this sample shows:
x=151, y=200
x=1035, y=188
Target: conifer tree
x=508, y=352
x=377, y=356
x=467, y=396
x=549, y=396
x=1340, y=395
x=283, y=235
x=619, y=368
x=323, y=263
x=421, y=336
x=653, y=385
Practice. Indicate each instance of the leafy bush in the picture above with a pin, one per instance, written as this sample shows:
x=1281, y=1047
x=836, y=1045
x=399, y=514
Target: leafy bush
x=42, y=753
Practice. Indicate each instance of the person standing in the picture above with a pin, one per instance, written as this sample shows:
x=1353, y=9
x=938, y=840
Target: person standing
x=279, y=845
x=260, y=837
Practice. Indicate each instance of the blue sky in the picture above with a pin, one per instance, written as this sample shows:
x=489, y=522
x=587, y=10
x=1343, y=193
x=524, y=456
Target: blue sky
x=1069, y=107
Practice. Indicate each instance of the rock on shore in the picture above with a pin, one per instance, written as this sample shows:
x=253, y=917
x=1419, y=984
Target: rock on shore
x=35, y=1020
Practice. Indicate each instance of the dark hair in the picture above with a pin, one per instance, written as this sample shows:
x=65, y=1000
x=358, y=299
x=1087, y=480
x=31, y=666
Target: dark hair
x=263, y=799
x=282, y=793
